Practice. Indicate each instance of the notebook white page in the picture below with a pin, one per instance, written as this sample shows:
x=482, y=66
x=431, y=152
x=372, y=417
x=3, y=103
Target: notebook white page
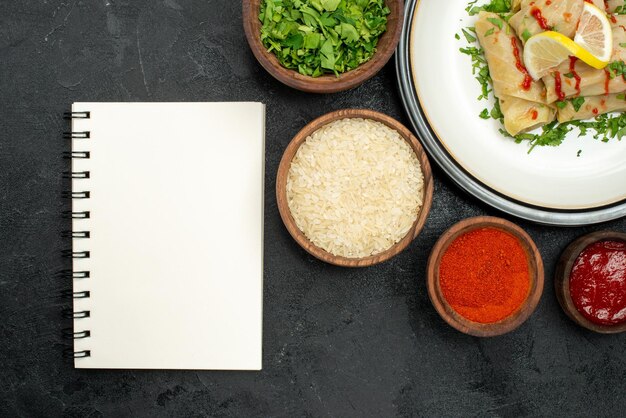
x=176, y=235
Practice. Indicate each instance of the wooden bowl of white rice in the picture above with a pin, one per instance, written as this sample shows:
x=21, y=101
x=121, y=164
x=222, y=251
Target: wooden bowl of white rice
x=354, y=188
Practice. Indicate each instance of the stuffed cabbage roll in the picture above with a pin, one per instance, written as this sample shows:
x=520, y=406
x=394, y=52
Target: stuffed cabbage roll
x=536, y=16
x=522, y=115
x=592, y=107
x=575, y=78
x=504, y=52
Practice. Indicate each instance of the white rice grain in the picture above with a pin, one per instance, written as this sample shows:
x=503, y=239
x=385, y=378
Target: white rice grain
x=355, y=187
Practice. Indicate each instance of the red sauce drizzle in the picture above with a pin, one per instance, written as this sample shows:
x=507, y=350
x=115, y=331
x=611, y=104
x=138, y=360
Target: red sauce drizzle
x=528, y=80
x=536, y=13
x=598, y=282
x=595, y=111
x=606, y=81
x=534, y=114
x=572, y=69
x=558, y=87
x=548, y=2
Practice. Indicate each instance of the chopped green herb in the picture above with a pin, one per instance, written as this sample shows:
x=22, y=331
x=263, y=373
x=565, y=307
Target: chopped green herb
x=616, y=69
x=484, y=114
x=496, y=22
x=620, y=10
x=456, y=36
x=494, y=6
x=606, y=126
x=479, y=69
x=468, y=36
x=577, y=103
x=561, y=104
x=579, y=152
x=490, y=32
x=468, y=9
x=496, y=112
x=552, y=135
x=526, y=35
x=317, y=37
x=568, y=75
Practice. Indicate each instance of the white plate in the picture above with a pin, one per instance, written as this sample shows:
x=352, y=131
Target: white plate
x=548, y=177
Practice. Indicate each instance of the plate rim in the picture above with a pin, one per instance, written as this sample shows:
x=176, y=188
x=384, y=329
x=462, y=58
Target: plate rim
x=464, y=180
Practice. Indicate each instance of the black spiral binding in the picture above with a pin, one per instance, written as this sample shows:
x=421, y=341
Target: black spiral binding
x=71, y=274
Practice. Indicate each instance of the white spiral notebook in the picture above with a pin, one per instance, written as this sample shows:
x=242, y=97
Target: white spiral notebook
x=167, y=208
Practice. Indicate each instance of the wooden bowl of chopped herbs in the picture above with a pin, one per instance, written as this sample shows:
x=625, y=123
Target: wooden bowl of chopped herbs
x=323, y=46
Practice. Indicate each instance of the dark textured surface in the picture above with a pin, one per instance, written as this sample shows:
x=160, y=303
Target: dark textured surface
x=336, y=342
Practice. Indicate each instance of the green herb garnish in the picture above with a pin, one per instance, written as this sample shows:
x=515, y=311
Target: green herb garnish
x=577, y=103
x=606, y=126
x=496, y=22
x=620, y=10
x=316, y=37
x=551, y=135
x=468, y=36
x=496, y=112
x=495, y=6
x=616, y=69
x=479, y=69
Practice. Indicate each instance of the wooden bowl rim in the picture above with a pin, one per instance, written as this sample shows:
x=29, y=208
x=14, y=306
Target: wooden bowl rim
x=327, y=83
x=454, y=319
x=563, y=271
x=285, y=165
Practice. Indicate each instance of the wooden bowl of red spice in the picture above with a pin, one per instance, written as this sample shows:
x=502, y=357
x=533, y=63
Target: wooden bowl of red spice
x=485, y=276
x=590, y=281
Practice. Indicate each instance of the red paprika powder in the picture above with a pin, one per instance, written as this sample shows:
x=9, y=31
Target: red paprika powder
x=484, y=275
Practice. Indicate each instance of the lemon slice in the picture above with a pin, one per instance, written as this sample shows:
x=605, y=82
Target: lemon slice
x=595, y=33
x=547, y=50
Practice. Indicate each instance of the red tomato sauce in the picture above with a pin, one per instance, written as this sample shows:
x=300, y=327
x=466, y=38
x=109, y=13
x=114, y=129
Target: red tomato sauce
x=534, y=114
x=598, y=283
x=572, y=69
x=558, y=87
x=543, y=23
x=528, y=80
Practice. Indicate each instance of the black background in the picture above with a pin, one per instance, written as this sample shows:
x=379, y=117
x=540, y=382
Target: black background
x=337, y=342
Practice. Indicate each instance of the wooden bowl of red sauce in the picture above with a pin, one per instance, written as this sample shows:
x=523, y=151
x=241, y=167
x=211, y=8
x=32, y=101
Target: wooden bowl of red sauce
x=590, y=281
x=485, y=276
